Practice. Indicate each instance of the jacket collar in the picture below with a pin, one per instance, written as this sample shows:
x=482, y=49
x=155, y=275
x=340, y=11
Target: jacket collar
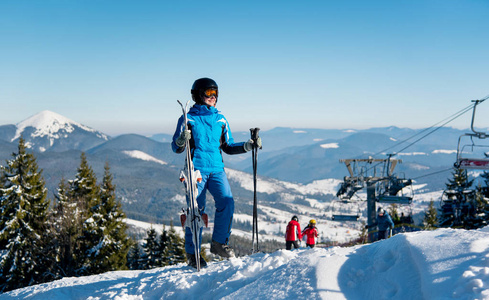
x=203, y=109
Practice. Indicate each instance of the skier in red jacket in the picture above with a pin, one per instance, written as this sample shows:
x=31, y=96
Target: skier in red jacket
x=293, y=234
x=311, y=232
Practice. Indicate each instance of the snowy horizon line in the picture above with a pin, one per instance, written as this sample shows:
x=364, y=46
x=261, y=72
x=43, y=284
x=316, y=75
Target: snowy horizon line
x=41, y=117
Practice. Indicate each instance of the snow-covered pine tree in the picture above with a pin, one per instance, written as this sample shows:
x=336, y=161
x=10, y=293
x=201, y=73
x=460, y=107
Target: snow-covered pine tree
x=484, y=194
x=175, y=249
x=476, y=211
x=460, y=180
x=23, y=219
x=163, y=243
x=134, y=257
x=448, y=216
x=485, y=188
x=152, y=255
x=111, y=251
x=67, y=222
x=462, y=210
x=430, y=220
x=85, y=191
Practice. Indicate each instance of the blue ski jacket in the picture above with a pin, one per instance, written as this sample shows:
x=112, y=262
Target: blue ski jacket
x=210, y=136
x=384, y=222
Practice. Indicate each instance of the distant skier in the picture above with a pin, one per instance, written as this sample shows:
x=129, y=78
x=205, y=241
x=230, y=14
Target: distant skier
x=384, y=223
x=293, y=234
x=406, y=219
x=209, y=134
x=311, y=233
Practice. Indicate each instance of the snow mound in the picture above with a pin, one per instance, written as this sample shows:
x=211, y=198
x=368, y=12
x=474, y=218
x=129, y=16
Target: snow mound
x=441, y=264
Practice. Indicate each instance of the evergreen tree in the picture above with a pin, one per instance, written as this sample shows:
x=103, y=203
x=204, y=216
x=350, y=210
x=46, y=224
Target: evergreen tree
x=175, y=250
x=23, y=219
x=85, y=191
x=163, y=244
x=110, y=252
x=134, y=257
x=463, y=207
x=475, y=210
x=151, y=249
x=457, y=207
x=68, y=224
x=430, y=220
x=460, y=180
x=485, y=176
x=484, y=196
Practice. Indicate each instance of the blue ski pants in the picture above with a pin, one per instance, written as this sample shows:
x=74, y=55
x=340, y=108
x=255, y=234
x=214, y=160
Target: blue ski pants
x=217, y=184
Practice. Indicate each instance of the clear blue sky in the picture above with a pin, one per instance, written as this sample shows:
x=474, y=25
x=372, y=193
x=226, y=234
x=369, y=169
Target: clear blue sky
x=120, y=66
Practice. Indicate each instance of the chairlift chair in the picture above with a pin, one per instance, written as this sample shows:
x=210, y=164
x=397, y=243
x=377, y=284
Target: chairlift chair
x=455, y=199
x=402, y=200
x=348, y=188
x=344, y=217
x=388, y=191
x=472, y=159
x=473, y=155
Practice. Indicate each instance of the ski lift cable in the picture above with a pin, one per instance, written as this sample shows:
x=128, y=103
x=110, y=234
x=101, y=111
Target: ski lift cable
x=434, y=173
x=437, y=128
x=450, y=119
x=449, y=169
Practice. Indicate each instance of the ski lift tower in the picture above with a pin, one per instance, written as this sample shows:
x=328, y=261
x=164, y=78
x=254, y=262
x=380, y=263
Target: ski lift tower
x=370, y=175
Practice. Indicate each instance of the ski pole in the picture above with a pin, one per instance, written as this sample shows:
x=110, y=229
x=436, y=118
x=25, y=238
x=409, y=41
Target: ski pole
x=254, y=158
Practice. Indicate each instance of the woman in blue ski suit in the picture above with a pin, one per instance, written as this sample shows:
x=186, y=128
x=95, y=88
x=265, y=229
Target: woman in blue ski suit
x=209, y=134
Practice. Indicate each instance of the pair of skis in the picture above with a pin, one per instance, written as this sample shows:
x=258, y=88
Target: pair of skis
x=189, y=176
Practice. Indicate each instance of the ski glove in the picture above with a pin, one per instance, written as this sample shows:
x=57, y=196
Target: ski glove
x=183, y=138
x=249, y=144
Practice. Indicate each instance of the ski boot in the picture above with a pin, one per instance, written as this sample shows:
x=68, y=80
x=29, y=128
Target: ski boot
x=222, y=250
x=193, y=263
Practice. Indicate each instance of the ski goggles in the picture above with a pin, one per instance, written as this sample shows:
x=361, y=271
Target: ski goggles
x=209, y=93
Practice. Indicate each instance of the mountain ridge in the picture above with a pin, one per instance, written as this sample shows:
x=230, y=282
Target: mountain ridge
x=149, y=189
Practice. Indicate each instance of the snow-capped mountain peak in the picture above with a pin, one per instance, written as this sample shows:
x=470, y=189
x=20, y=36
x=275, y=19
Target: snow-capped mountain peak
x=49, y=127
x=48, y=123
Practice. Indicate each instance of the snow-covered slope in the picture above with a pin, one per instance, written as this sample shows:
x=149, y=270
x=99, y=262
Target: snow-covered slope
x=307, y=201
x=143, y=156
x=48, y=130
x=270, y=186
x=441, y=264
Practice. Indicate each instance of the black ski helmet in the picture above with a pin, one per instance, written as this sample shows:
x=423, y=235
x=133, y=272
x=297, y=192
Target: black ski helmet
x=294, y=218
x=199, y=86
